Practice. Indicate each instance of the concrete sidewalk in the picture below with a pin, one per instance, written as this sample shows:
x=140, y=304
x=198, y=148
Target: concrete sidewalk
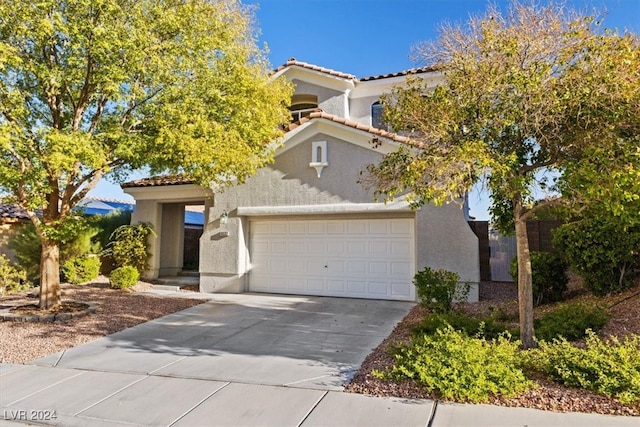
x=240, y=360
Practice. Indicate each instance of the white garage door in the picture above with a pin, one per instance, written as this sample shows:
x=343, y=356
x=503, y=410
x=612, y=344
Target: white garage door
x=361, y=258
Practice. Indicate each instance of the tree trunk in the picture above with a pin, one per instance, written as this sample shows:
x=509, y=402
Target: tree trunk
x=50, y=274
x=525, y=280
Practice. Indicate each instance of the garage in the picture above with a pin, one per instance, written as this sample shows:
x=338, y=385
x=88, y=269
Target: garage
x=356, y=258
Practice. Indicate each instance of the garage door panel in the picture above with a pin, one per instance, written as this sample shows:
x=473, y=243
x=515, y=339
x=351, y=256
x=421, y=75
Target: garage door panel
x=402, y=228
x=278, y=229
x=335, y=266
x=335, y=247
x=401, y=289
x=336, y=227
x=400, y=249
x=337, y=286
x=363, y=258
x=378, y=248
x=297, y=248
x=380, y=289
x=357, y=267
x=315, y=285
x=356, y=227
x=378, y=227
x=276, y=248
x=276, y=265
x=357, y=248
x=316, y=247
x=378, y=267
x=317, y=227
x=359, y=287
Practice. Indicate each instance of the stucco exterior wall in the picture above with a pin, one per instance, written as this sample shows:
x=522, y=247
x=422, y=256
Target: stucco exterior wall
x=171, y=255
x=329, y=100
x=360, y=109
x=150, y=211
x=6, y=231
x=443, y=238
x=340, y=177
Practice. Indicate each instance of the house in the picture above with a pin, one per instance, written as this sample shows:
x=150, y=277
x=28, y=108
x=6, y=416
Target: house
x=304, y=224
x=11, y=219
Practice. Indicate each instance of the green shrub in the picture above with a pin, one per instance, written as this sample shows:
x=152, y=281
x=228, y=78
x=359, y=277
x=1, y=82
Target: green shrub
x=611, y=368
x=124, y=277
x=12, y=278
x=27, y=246
x=81, y=269
x=457, y=367
x=571, y=321
x=437, y=289
x=548, y=276
x=604, y=252
x=107, y=224
x=486, y=327
x=129, y=245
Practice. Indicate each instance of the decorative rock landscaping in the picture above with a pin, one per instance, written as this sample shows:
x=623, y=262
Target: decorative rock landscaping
x=30, y=313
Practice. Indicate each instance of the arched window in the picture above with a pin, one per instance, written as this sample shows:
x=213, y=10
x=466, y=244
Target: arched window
x=376, y=115
x=302, y=106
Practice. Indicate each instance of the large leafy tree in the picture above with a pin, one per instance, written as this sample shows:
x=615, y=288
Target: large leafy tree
x=528, y=95
x=92, y=88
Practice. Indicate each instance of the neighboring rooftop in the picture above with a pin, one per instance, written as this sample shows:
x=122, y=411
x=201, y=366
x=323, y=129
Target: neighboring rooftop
x=12, y=212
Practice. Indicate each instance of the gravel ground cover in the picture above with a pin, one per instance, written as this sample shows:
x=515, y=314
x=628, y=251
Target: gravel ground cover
x=116, y=310
x=625, y=319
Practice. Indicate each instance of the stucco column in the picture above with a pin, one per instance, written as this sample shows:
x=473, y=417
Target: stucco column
x=150, y=211
x=172, y=241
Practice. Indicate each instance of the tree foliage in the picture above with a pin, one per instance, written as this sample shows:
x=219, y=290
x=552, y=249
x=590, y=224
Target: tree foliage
x=94, y=88
x=527, y=93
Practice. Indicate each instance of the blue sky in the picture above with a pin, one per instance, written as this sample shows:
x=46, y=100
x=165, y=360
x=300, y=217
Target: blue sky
x=371, y=37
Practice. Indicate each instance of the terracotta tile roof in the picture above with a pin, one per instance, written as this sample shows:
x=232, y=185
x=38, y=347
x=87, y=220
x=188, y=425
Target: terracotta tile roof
x=319, y=114
x=157, y=181
x=293, y=61
x=399, y=74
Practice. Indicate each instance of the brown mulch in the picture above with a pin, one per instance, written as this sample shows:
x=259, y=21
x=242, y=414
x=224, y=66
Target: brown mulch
x=115, y=310
x=625, y=319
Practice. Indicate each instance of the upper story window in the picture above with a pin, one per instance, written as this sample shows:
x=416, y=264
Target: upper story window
x=302, y=106
x=376, y=116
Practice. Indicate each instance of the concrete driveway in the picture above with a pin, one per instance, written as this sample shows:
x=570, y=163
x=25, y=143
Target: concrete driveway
x=306, y=342
x=240, y=360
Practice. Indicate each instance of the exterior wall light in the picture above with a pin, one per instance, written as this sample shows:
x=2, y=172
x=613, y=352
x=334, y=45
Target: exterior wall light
x=224, y=218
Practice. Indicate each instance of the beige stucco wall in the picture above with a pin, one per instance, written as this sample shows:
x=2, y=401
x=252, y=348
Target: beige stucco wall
x=6, y=231
x=360, y=109
x=329, y=100
x=163, y=207
x=340, y=177
x=444, y=240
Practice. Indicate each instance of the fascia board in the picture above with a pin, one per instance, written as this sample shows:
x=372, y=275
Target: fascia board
x=317, y=78
x=335, y=208
x=170, y=193
x=380, y=86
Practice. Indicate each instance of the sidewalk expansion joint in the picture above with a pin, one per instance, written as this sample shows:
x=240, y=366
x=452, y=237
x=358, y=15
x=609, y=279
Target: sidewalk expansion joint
x=433, y=413
x=312, y=408
x=196, y=405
